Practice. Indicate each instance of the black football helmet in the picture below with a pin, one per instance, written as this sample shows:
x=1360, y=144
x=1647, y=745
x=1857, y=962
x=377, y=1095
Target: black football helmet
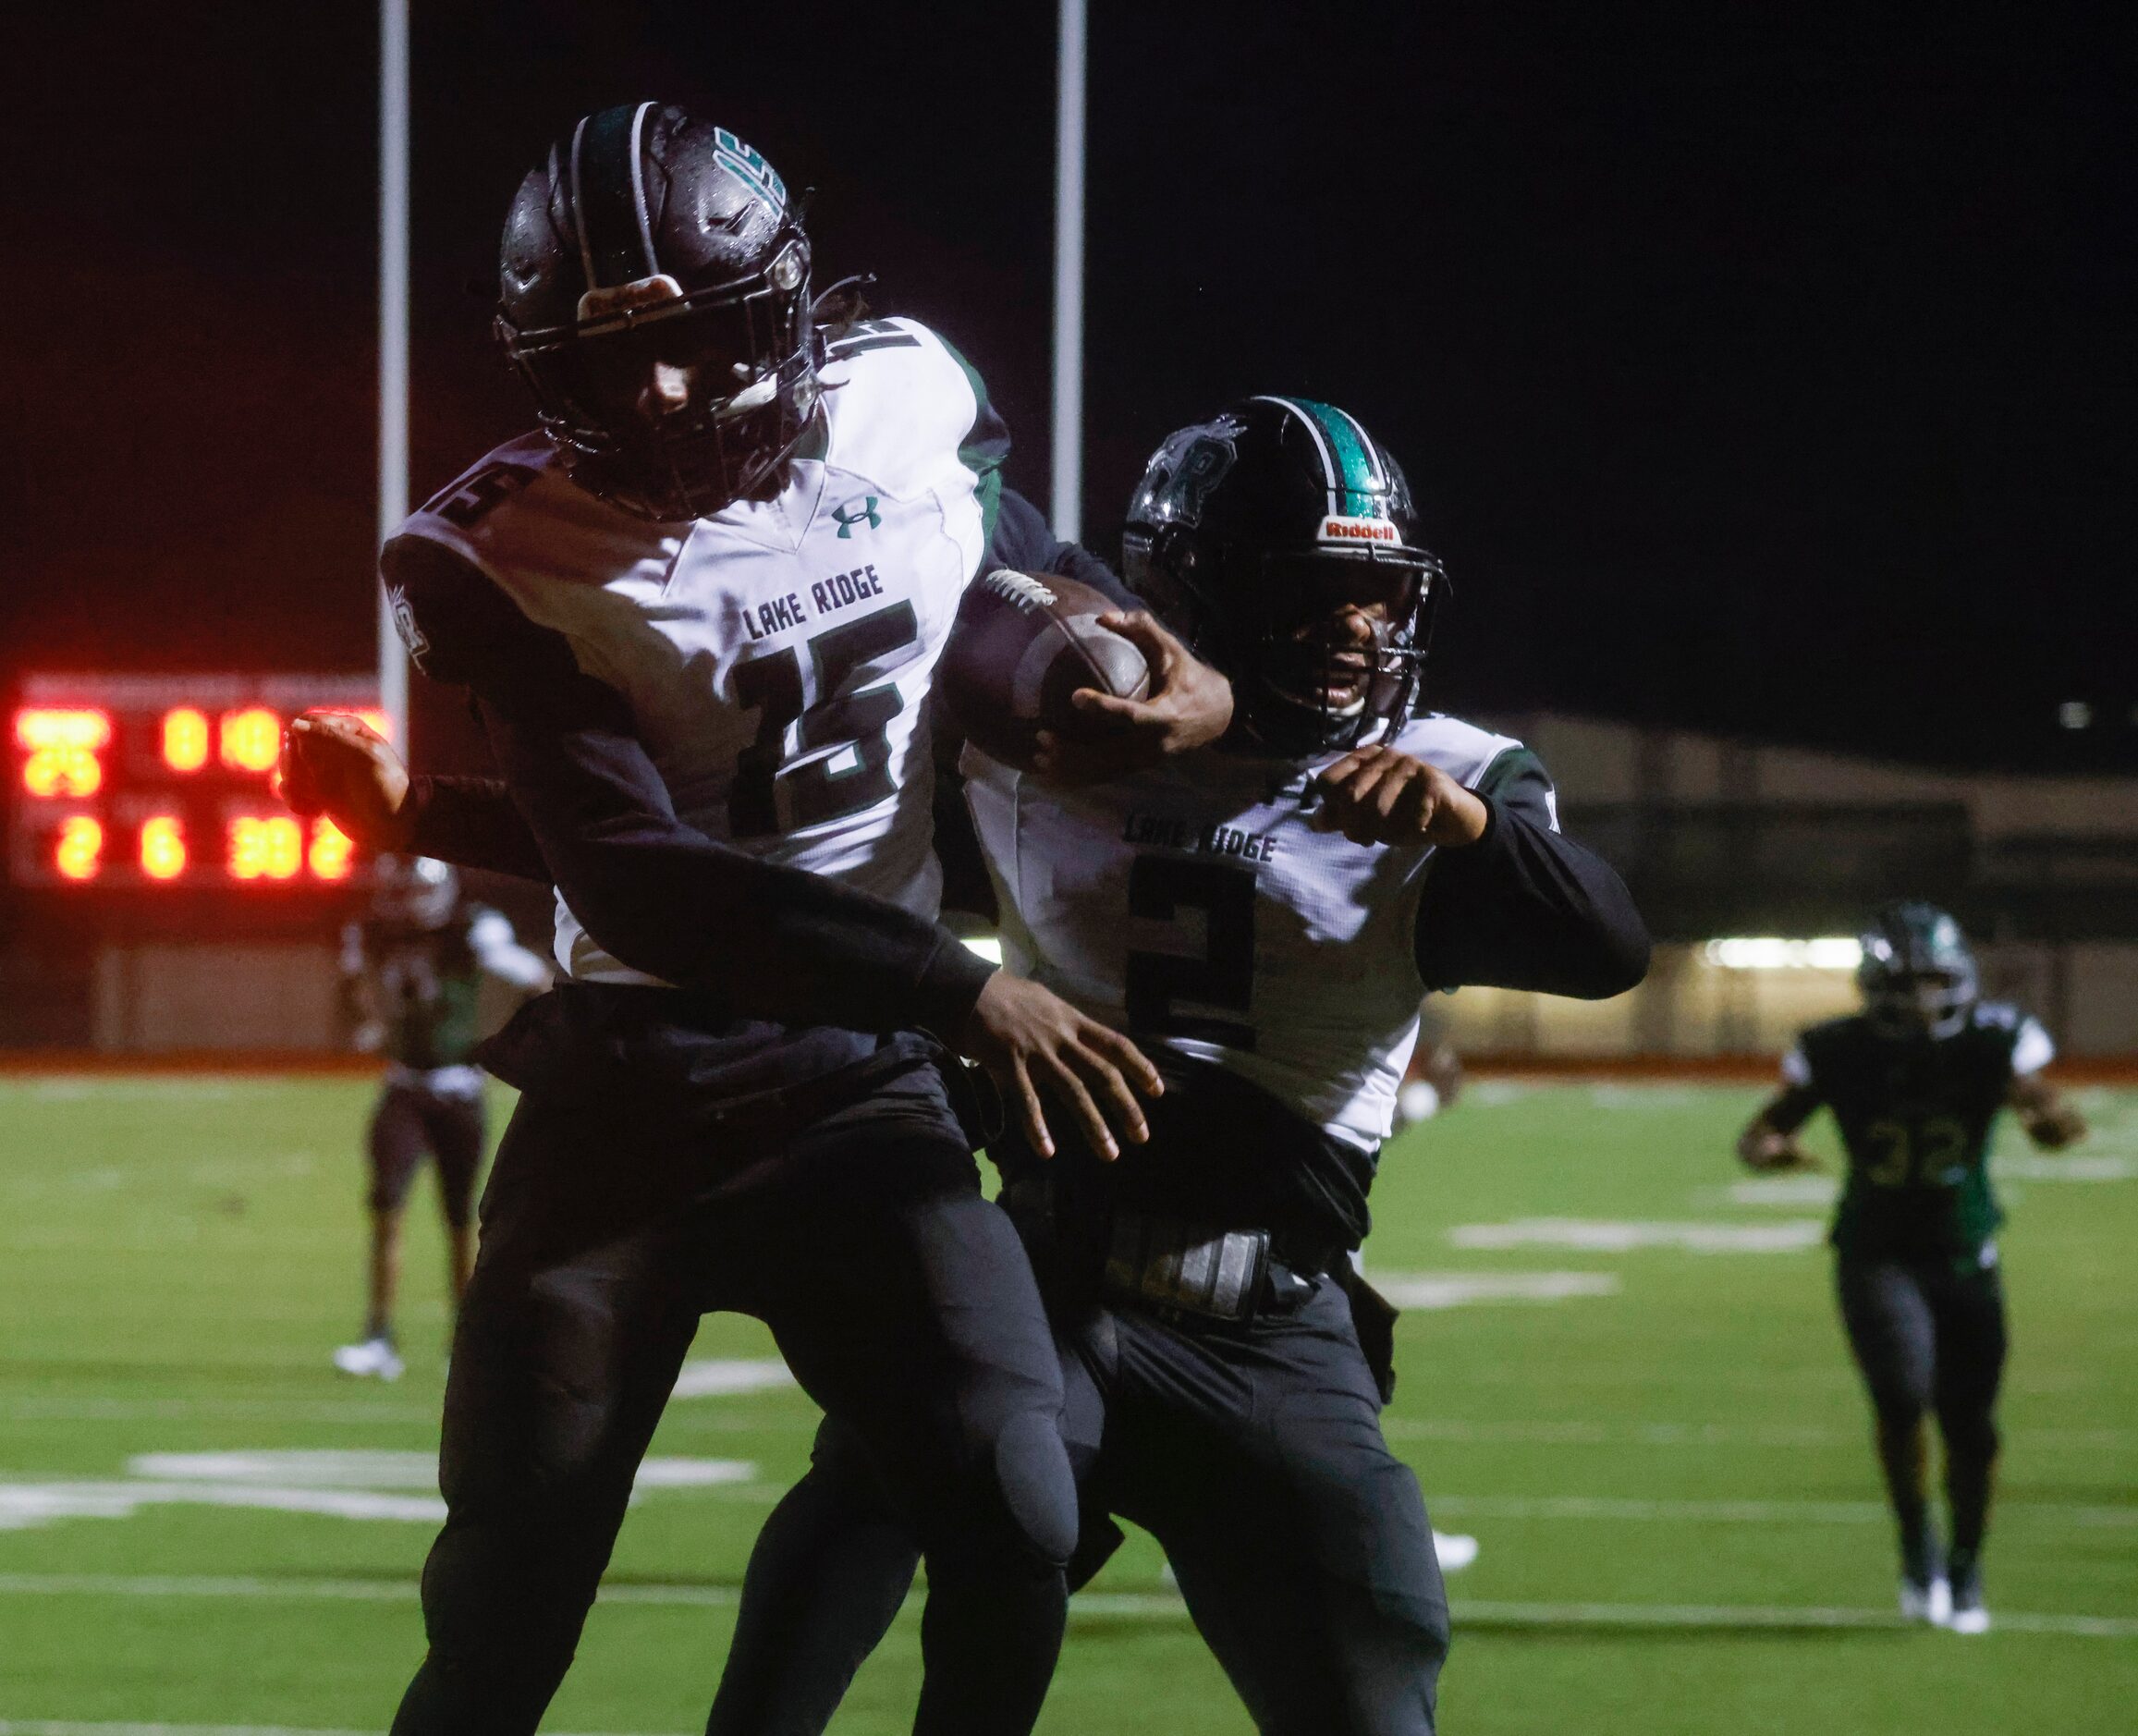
x=649, y=238
x=1917, y=974
x=1247, y=534
x=418, y=893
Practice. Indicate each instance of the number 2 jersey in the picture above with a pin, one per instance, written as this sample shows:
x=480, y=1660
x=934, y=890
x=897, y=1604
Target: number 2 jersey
x=1275, y=971
x=716, y=727
x=1916, y=1115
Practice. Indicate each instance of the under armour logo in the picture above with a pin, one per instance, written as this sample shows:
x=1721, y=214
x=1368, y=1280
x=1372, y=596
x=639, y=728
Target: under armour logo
x=848, y=518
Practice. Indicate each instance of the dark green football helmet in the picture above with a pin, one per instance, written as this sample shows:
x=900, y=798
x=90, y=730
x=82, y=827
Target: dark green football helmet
x=1917, y=975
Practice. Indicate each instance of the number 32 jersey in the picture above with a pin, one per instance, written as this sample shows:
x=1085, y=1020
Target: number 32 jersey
x=1195, y=906
x=1915, y=1117
x=776, y=655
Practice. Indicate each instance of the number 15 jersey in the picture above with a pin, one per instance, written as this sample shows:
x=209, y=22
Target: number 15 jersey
x=775, y=656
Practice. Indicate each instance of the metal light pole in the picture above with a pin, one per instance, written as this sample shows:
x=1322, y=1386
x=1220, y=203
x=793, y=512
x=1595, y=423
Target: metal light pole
x=1068, y=277
x=393, y=338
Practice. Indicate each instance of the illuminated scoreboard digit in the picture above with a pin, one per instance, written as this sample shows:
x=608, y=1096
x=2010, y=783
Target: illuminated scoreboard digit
x=133, y=781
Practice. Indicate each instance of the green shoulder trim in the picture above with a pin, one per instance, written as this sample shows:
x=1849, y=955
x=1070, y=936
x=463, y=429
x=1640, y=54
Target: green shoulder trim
x=985, y=446
x=1505, y=767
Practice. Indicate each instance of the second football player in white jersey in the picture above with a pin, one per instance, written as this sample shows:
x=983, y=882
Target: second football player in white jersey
x=1263, y=916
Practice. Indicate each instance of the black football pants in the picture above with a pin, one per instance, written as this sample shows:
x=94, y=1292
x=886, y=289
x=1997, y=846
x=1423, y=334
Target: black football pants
x=1254, y=1453
x=412, y=1122
x=1929, y=1336
x=901, y=1298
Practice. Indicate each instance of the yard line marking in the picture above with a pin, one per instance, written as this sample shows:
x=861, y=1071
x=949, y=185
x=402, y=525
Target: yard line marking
x=1582, y=1434
x=1763, y=1616
x=1615, y=1236
x=717, y=1377
x=52, y=1727
x=49, y=1727
x=1429, y=1290
x=42, y=1409
x=341, y=1485
x=1745, y=1512
x=1152, y=1605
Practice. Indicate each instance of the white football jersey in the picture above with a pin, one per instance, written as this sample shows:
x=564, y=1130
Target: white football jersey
x=1194, y=904
x=776, y=657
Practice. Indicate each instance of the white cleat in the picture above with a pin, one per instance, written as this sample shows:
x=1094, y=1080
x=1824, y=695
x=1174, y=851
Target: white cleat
x=1416, y=1102
x=374, y=1359
x=1966, y=1613
x=1455, y=1551
x=1930, y=1603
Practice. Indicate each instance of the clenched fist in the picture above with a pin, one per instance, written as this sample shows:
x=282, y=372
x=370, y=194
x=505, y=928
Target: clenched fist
x=338, y=766
x=1379, y=795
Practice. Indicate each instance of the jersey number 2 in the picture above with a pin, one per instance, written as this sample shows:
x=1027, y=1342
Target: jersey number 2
x=1160, y=889
x=857, y=722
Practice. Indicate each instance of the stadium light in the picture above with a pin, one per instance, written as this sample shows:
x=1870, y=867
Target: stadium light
x=1835, y=952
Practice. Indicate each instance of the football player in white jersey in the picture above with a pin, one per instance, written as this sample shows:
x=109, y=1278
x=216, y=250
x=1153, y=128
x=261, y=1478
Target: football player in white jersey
x=698, y=614
x=1263, y=916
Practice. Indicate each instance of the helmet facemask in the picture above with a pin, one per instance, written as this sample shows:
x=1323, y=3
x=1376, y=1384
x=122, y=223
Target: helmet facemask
x=1918, y=977
x=743, y=354
x=1304, y=680
x=416, y=892
x=655, y=298
x=1340, y=653
x=1280, y=540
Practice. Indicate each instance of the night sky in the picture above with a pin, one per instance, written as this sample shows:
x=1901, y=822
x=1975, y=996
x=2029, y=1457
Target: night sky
x=1770, y=376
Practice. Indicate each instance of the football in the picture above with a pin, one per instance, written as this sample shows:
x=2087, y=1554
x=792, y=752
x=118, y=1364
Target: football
x=1021, y=644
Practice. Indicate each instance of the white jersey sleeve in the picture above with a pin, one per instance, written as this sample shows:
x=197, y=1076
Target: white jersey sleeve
x=2032, y=1049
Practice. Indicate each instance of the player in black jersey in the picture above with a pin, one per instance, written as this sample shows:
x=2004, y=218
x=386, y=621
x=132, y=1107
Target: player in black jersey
x=1915, y=1082
x=412, y=968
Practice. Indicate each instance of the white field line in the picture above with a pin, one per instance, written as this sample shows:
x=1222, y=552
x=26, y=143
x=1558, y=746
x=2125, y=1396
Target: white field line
x=1427, y=1291
x=722, y=1376
x=1591, y=1235
x=29, y=1408
x=1745, y=1512
x=340, y=1485
x=52, y=1727
x=1764, y=1616
x=1148, y=1606
x=1574, y=1434
x=704, y=1378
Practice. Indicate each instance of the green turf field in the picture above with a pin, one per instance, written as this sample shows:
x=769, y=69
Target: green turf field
x=1666, y=1465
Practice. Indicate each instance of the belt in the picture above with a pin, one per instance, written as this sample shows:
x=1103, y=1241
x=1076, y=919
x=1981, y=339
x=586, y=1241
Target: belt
x=1171, y=1264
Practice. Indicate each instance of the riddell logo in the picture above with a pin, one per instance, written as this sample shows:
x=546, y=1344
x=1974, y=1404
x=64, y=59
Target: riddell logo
x=1341, y=530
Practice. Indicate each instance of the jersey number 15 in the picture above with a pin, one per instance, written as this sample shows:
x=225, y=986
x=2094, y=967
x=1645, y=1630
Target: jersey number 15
x=858, y=722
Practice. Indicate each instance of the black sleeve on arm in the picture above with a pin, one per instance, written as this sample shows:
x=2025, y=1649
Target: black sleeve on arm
x=769, y=941
x=1790, y=1108
x=1526, y=908
x=471, y=823
x=1022, y=540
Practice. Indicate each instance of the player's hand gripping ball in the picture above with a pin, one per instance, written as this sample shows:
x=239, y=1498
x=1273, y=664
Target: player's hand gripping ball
x=1021, y=645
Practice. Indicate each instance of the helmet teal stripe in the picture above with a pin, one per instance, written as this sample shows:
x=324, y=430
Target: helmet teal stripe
x=1361, y=482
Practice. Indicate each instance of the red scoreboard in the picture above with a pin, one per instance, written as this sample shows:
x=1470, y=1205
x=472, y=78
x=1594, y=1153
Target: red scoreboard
x=148, y=780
